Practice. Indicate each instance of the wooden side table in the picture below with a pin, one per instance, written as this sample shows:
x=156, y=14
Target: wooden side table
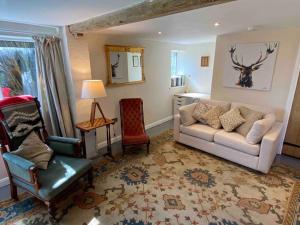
x=86, y=126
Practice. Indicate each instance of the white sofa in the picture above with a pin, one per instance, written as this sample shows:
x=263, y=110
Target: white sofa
x=231, y=145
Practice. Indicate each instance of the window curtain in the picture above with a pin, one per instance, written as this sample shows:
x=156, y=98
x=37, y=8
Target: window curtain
x=53, y=88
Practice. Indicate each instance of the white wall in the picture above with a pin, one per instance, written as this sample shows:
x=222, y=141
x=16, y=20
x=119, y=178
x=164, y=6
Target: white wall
x=288, y=48
x=87, y=58
x=199, y=78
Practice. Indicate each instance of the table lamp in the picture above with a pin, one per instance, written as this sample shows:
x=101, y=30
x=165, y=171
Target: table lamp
x=92, y=89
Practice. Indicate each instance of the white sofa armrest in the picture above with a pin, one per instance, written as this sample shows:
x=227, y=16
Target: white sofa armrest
x=176, y=127
x=269, y=148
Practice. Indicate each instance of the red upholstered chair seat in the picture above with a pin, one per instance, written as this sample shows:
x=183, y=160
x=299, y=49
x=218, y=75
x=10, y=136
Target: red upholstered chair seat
x=132, y=122
x=136, y=139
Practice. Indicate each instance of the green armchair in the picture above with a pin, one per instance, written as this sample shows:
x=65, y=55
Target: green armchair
x=65, y=168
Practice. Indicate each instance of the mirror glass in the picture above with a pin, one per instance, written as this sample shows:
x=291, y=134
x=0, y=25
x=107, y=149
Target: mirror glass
x=125, y=64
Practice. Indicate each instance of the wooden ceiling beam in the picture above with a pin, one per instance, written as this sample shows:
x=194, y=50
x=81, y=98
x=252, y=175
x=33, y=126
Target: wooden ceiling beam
x=140, y=12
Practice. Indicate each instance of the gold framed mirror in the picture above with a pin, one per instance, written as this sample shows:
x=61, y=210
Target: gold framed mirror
x=125, y=65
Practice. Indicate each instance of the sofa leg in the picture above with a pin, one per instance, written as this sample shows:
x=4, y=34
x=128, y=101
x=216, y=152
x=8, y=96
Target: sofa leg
x=91, y=178
x=148, y=148
x=14, y=192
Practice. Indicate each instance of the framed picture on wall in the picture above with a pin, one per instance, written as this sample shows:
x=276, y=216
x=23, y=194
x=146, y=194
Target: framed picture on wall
x=250, y=66
x=204, y=61
x=135, y=61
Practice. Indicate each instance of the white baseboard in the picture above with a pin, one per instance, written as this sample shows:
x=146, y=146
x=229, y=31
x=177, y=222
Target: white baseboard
x=4, y=182
x=148, y=126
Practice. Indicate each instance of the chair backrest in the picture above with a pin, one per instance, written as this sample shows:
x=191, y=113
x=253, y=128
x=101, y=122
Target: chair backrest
x=19, y=116
x=132, y=116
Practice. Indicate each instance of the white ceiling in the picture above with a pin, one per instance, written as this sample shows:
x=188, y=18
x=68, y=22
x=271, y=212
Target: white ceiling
x=189, y=27
x=198, y=25
x=58, y=12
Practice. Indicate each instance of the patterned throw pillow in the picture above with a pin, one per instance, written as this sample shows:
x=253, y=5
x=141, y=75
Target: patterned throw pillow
x=231, y=119
x=212, y=117
x=251, y=117
x=34, y=150
x=200, y=109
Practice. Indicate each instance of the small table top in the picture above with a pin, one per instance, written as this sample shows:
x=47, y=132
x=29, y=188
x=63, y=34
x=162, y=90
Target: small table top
x=99, y=122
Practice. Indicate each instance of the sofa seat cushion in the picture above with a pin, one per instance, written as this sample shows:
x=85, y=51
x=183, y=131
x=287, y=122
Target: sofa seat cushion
x=135, y=139
x=199, y=130
x=236, y=141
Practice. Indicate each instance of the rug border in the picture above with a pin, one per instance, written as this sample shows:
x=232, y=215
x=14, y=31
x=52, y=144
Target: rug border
x=292, y=205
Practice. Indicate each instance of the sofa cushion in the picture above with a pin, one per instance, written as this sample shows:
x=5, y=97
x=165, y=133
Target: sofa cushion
x=236, y=141
x=212, y=117
x=62, y=172
x=225, y=105
x=34, y=150
x=250, y=116
x=186, y=114
x=199, y=130
x=260, y=128
x=199, y=110
x=231, y=119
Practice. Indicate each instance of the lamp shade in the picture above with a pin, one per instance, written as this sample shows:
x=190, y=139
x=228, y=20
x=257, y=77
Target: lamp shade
x=93, y=89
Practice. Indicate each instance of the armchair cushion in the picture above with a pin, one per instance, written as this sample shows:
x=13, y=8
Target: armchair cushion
x=64, y=145
x=18, y=166
x=62, y=172
x=34, y=150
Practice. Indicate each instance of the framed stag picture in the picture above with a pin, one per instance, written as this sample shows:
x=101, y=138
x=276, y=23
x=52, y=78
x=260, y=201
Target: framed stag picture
x=250, y=66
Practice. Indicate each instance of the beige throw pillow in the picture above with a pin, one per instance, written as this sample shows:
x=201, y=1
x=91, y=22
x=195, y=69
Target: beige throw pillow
x=231, y=119
x=34, y=150
x=212, y=117
x=260, y=128
x=200, y=109
x=250, y=116
x=186, y=114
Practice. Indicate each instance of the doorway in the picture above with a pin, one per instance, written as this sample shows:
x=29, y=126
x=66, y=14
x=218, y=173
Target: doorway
x=291, y=145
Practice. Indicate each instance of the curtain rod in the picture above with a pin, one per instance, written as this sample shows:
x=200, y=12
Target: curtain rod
x=27, y=33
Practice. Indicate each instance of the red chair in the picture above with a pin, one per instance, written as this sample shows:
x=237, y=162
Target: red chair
x=132, y=123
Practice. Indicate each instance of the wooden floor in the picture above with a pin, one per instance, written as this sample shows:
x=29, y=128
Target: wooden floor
x=4, y=191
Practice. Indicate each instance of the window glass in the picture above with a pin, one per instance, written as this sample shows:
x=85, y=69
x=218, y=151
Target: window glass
x=177, y=76
x=18, y=73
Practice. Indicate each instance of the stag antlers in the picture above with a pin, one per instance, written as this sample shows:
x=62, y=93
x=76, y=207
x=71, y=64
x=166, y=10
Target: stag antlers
x=261, y=59
x=269, y=51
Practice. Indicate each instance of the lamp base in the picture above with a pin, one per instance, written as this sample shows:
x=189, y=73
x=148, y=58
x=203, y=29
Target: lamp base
x=93, y=112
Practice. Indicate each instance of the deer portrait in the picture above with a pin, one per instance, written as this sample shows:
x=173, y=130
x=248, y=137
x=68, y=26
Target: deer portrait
x=245, y=77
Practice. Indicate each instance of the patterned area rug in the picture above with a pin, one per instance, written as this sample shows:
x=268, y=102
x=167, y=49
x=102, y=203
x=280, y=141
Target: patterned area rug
x=174, y=185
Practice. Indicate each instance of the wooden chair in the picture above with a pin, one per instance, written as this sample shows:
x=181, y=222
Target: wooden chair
x=19, y=117
x=132, y=123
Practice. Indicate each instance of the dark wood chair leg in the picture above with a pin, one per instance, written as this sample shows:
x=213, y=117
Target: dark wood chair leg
x=91, y=178
x=51, y=210
x=148, y=148
x=124, y=149
x=14, y=192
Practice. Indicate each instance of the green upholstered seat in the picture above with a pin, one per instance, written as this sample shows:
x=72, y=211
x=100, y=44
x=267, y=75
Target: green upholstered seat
x=61, y=172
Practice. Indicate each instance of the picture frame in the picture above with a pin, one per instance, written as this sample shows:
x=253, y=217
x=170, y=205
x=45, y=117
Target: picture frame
x=205, y=61
x=250, y=66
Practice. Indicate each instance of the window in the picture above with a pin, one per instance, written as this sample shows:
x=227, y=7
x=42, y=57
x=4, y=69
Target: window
x=18, y=74
x=177, y=76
